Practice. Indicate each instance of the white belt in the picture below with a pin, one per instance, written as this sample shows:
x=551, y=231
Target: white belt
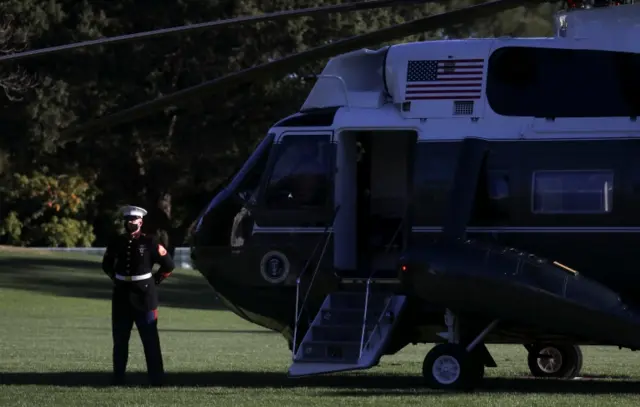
x=134, y=278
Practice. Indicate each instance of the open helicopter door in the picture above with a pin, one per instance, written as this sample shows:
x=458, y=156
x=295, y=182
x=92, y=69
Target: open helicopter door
x=373, y=188
x=293, y=208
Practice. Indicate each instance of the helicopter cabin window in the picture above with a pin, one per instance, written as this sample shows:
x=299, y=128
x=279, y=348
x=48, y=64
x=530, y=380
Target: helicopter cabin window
x=301, y=175
x=552, y=83
x=498, y=188
x=492, y=199
x=567, y=192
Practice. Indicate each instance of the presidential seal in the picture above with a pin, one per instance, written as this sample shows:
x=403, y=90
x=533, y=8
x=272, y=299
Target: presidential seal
x=275, y=267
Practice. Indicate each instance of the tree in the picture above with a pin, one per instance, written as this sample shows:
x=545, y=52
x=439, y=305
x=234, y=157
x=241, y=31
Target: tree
x=47, y=209
x=15, y=81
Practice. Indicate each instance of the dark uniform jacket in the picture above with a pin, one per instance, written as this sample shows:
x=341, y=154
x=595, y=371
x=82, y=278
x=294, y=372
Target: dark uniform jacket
x=129, y=255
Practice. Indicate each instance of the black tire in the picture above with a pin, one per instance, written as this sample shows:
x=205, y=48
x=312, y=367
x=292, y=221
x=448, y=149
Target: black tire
x=563, y=361
x=578, y=366
x=466, y=372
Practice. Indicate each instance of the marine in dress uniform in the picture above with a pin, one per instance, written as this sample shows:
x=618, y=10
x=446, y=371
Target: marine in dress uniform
x=128, y=261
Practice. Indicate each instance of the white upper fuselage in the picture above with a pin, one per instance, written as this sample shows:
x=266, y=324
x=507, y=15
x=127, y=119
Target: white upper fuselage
x=373, y=89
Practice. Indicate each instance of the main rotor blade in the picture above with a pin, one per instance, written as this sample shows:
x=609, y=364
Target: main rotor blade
x=285, y=65
x=355, y=6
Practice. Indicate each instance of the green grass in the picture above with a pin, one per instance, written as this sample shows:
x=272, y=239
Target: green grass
x=55, y=349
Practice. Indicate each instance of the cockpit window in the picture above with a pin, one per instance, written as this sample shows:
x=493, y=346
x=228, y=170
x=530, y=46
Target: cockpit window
x=301, y=175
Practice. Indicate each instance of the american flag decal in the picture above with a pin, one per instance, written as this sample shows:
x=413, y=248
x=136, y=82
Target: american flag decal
x=451, y=79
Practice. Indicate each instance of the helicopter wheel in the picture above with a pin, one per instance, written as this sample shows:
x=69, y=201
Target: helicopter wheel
x=555, y=360
x=449, y=366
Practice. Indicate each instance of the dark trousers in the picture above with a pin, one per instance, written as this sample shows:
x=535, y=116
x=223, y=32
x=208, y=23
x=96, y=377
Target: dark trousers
x=123, y=316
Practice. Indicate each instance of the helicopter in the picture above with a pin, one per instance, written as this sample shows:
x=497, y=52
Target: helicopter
x=455, y=192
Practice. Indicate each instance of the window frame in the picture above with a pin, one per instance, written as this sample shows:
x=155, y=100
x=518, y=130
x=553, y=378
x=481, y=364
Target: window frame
x=600, y=171
x=266, y=216
x=282, y=147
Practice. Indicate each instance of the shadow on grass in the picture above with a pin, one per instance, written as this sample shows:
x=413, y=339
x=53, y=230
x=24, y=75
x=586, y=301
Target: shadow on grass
x=82, y=278
x=193, y=331
x=220, y=331
x=375, y=385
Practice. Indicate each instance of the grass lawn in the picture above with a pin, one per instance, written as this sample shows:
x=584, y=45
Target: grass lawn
x=55, y=349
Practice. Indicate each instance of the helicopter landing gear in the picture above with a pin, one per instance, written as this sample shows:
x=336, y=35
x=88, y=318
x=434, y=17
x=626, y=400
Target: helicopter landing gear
x=453, y=366
x=550, y=360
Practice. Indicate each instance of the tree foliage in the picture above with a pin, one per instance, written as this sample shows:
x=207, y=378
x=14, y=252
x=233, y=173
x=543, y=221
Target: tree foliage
x=47, y=209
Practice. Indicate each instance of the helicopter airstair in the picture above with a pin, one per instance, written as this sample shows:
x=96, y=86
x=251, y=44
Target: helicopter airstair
x=351, y=329
x=340, y=338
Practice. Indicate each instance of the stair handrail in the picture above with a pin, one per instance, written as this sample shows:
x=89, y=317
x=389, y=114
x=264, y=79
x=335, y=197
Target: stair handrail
x=302, y=273
x=377, y=325
x=368, y=290
x=300, y=308
x=364, y=319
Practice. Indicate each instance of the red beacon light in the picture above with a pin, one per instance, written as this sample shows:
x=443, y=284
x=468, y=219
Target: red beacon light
x=403, y=262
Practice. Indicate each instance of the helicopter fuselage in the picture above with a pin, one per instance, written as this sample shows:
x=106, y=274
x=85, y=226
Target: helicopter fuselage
x=339, y=190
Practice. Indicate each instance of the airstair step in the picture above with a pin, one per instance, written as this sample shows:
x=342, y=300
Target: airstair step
x=349, y=333
x=356, y=300
x=347, y=316
x=330, y=351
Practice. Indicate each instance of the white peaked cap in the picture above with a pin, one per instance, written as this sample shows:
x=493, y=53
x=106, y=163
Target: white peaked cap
x=133, y=211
